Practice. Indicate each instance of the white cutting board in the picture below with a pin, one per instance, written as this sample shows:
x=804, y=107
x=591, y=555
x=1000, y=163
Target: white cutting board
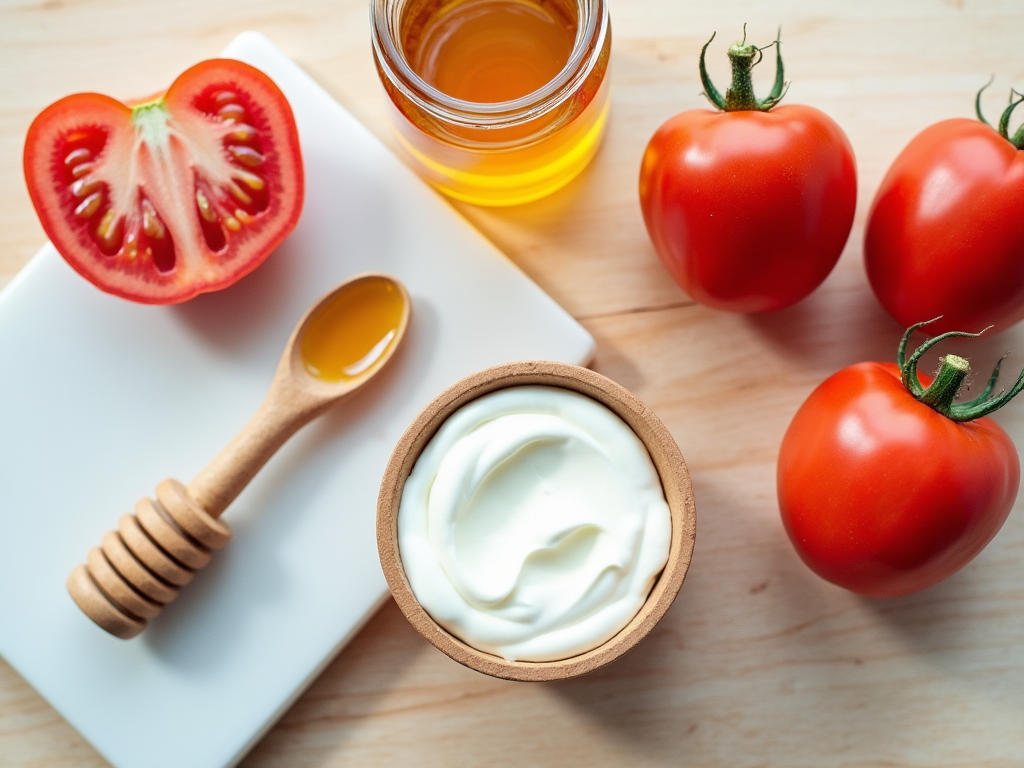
x=101, y=398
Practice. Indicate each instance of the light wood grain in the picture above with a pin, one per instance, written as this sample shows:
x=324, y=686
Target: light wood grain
x=759, y=662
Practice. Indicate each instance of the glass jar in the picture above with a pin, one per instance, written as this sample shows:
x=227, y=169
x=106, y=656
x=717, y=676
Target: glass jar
x=501, y=152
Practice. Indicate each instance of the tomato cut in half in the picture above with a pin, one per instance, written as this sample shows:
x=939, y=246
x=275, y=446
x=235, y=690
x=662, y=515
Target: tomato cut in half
x=181, y=195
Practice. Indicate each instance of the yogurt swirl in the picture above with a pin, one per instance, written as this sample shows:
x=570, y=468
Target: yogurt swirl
x=533, y=524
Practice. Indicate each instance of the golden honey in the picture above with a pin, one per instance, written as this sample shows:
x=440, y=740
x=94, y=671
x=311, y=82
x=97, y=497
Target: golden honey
x=496, y=102
x=488, y=51
x=353, y=330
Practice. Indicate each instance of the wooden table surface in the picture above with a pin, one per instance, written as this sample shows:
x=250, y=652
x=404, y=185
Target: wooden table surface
x=759, y=662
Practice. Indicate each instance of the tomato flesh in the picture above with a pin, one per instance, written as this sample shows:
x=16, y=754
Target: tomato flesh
x=884, y=496
x=178, y=196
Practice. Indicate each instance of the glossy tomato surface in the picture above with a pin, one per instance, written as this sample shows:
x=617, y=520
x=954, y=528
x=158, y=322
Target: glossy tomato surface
x=945, y=235
x=749, y=210
x=178, y=196
x=884, y=496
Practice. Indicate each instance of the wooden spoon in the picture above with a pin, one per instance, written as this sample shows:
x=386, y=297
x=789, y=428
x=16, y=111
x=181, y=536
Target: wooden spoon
x=339, y=345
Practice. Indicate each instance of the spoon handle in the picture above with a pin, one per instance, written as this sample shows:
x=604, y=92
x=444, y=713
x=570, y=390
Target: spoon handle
x=157, y=550
x=284, y=411
x=141, y=566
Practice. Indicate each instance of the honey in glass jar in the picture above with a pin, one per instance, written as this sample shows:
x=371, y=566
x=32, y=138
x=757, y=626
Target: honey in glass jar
x=496, y=102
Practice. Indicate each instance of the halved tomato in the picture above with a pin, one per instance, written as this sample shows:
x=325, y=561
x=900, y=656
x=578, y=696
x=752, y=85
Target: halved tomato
x=177, y=196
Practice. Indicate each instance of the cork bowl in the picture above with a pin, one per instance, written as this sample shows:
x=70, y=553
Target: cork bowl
x=675, y=480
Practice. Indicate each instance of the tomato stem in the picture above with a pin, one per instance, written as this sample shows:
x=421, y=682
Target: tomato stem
x=977, y=101
x=946, y=385
x=990, y=386
x=1004, y=119
x=151, y=120
x=740, y=95
x=942, y=392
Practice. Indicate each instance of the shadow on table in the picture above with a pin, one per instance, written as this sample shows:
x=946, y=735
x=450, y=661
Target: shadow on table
x=843, y=323
x=237, y=320
x=967, y=610
x=836, y=326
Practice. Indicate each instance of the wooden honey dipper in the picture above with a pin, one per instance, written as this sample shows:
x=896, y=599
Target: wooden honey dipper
x=340, y=343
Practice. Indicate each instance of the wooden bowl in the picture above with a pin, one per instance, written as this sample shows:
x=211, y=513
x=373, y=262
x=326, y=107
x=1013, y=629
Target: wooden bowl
x=675, y=480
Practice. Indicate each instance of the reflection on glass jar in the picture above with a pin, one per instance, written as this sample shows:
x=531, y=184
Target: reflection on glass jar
x=496, y=102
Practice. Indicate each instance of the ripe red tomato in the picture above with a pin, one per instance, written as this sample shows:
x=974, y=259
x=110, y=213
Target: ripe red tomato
x=945, y=235
x=749, y=209
x=884, y=495
x=181, y=195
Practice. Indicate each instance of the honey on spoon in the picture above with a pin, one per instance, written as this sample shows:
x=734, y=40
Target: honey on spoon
x=348, y=334
x=339, y=345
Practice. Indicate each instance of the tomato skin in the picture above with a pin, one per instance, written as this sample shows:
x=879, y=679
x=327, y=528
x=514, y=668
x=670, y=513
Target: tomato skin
x=884, y=496
x=945, y=234
x=749, y=210
x=189, y=256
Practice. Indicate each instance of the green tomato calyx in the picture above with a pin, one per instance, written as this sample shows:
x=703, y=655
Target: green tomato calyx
x=1004, y=119
x=942, y=392
x=740, y=96
x=150, y=121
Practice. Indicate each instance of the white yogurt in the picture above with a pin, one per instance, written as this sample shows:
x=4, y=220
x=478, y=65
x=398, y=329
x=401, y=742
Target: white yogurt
x=534, y=524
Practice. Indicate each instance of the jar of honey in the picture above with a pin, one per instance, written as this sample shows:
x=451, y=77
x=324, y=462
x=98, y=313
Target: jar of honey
x=495, y=102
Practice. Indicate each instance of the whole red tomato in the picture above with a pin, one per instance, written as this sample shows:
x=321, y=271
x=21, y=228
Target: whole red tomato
x=749, y=208
x=184, y=194
x=946, y=231
x=885, y=489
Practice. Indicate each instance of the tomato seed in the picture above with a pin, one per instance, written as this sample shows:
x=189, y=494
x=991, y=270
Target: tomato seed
x=151, y=223
x=103, y=230
x=232, y=113
x=77, y=156
x=239, y=194
x=244, y=217
x=82, y=169
x=232, y=223
x=246, y=155
x=225, y=97
x=88, y=207
x=251, y=180
x=109, y=233
x=243, y=132
x=85, y=187
x=205, y=209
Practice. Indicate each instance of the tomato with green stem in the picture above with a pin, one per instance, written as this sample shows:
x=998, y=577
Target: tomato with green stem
x=748, y=207
x=945, y=233
x=887, y=486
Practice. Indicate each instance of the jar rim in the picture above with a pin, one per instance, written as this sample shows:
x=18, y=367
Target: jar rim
x=591, y=30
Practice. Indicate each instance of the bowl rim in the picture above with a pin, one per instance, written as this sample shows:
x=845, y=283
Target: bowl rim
x=667, y=459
